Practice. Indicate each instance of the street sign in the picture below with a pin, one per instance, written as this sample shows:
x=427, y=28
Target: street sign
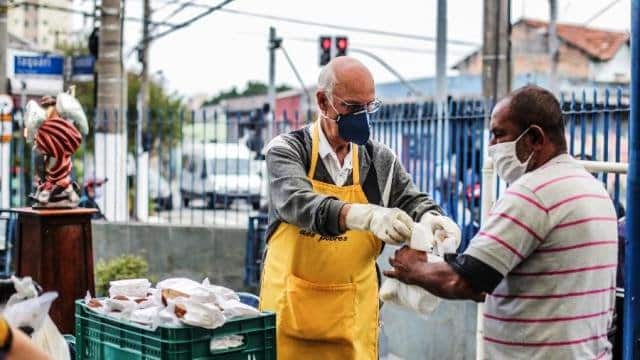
x=82, y=65
x=39, y=65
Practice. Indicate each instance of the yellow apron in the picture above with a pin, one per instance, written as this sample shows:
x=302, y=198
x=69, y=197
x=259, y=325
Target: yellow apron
x=323, y=289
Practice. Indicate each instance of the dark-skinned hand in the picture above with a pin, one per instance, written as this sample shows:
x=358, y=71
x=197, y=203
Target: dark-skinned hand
x=407, y=264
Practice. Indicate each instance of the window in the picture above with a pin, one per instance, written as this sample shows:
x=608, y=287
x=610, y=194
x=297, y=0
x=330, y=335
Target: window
x=26, y=23
x=45, y=40
x=45, y=22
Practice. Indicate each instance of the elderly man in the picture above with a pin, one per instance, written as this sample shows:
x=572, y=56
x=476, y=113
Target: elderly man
x=335, y=197
x=547, y=254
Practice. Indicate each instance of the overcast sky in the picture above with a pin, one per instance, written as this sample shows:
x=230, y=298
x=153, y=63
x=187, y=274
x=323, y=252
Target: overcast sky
x=224, y=50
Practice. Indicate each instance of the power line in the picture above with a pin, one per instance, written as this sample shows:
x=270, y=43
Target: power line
x=390, y=69
x=85, y=13
x=375, y=46
x=600, y=12
x=348, y=28
x=190, y=21
x=179, y=26
x=335, y=26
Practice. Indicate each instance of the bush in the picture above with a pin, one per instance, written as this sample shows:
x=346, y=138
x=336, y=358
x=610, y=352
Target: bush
x=122, y=267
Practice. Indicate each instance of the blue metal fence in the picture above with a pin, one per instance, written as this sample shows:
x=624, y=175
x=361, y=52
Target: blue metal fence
x=192, y=181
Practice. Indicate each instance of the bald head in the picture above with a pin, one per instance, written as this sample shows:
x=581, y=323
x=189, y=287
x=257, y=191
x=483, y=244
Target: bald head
x=344, y=83
x=346, y=75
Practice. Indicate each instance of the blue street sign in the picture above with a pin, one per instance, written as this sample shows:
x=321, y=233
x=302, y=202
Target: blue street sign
x=39, y=65
x=82, y=65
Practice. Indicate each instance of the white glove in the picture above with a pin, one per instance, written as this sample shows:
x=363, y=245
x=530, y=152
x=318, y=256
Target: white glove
x=392, y=226
x=447, y=234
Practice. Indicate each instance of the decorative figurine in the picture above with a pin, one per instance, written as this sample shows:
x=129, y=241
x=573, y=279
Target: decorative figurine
x=56, y=126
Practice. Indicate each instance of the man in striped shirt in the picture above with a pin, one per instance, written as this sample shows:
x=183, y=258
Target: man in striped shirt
x=546, y=257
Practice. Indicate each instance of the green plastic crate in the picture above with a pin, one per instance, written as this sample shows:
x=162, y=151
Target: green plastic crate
x=101, y=337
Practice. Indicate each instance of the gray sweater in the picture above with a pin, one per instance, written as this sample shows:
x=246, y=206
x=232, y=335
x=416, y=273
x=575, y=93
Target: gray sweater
x=292, y=199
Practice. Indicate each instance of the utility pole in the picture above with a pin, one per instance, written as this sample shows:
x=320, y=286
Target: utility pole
x=4, y=45
x=496, y=84
x=142, y=157
x=274, y=44
x=553, y=47
x=110, y=139
x=496, y=50
x=441, y=52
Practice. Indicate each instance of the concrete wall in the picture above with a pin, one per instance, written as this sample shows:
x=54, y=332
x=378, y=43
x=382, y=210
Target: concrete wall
x=218, y=253
x=189, y=251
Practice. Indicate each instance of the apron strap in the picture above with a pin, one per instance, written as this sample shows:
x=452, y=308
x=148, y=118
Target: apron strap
x=355, y=164
x=315, y=150
x=315, y=146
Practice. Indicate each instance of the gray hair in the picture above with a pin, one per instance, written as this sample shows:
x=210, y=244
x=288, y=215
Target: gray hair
x=327, y=79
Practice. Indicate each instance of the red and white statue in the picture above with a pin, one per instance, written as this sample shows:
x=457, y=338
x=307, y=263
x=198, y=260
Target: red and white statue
x=56, y=127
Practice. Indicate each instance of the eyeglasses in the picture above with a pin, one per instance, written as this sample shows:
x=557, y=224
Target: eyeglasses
x=370, y=107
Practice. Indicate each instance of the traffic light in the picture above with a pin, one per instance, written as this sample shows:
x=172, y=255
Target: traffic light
x=341, y=45
x=325, y=50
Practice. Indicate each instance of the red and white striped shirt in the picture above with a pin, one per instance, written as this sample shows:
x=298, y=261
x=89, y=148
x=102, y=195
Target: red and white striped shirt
x=553, y=237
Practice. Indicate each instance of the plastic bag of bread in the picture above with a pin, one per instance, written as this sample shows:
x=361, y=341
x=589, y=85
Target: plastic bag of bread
x=194, y=313
x=411, y=296
x=182, y=287
x=131, y=288
x=234, y=308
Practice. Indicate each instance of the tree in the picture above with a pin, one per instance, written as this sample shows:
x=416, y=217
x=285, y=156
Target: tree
x=165, y=113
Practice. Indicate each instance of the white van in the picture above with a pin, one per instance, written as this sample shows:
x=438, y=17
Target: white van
x=220, y=173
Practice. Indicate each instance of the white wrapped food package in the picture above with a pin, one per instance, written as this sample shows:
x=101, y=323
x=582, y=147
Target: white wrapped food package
x=222, y=293
x=168, y=316
x=132, y=288
x=234, y=308
x=196, y=291
x=122, y=306
x=208, y=316
x=226, y=342
x=411, y=296
x=96, y=305
x=148, y=316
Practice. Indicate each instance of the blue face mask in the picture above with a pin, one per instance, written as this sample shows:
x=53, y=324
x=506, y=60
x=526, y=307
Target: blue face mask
x=354, y=127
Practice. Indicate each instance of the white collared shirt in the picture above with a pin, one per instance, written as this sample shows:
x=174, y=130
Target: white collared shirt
x=339, y=174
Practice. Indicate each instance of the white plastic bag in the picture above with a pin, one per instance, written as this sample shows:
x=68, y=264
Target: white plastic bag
x=411, y=296
x=207, y=316
x=221, y=293
x=234, y=308
x=226, y=342
x=148, y=316
x=26, y=309
x=196, y=291
x=132, y=288
x=49, y=339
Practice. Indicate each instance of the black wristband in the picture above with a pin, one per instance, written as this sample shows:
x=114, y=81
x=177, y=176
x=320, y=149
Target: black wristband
x=480, y=276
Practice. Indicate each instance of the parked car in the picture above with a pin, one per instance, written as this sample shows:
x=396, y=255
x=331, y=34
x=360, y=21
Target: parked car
x=220, y=173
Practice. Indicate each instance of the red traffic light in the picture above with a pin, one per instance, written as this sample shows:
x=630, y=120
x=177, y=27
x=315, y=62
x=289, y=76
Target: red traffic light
x=325, y=50
x=342, y=44
x=326, y=43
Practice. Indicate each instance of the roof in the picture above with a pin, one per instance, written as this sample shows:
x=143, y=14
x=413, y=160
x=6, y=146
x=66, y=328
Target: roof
x=599, y=44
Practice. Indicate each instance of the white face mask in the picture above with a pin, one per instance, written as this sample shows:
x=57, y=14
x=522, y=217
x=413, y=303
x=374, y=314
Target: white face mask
x=506, y=162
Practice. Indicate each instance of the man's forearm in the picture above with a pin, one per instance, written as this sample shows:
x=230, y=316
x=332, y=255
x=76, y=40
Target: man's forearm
x=441, y=280
x=342, y=221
